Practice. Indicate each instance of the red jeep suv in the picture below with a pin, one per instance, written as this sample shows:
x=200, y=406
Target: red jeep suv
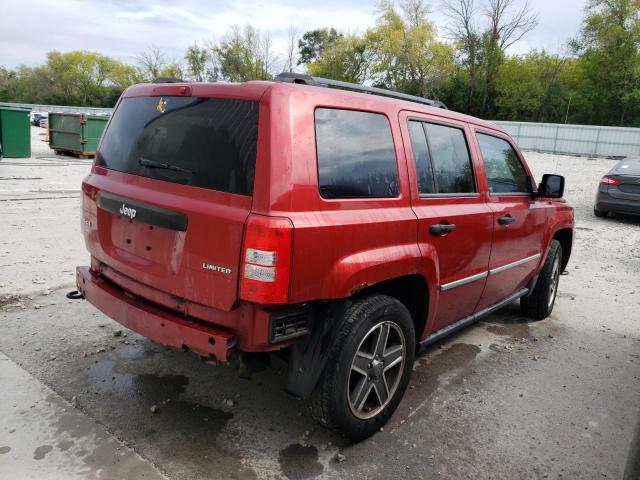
x=342, y=226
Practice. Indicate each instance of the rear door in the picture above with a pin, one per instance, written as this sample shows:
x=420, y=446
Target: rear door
x=518, y=219
x=454, y=222
x=172, y=186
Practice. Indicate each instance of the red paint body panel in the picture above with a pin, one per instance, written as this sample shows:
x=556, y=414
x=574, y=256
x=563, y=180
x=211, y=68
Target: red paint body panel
x=338, y=247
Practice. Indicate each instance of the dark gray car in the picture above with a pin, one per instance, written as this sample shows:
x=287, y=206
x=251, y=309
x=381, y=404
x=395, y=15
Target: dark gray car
x=619, y=190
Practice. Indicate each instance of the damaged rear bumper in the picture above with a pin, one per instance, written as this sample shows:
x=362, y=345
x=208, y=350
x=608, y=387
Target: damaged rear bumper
x=153, y=322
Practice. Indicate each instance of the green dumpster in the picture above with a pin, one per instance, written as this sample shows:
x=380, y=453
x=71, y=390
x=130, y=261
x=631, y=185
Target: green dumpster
x=75, y=133
x=15, y=131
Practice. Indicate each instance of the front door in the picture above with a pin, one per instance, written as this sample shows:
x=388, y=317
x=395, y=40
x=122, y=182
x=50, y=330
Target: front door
x=519, y=220
x=454, y=222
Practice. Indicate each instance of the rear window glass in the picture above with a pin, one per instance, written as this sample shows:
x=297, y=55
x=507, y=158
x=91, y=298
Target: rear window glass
x=203, y=142
x=356, y=157
x=627, y=167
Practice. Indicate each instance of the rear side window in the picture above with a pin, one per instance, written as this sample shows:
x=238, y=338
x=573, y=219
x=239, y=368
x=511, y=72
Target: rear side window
x=356, y=156
x=505, y=173
x=443, y=164
x=203, y=142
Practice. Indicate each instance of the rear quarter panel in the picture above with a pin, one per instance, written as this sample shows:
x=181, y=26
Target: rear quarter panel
x=340, y=245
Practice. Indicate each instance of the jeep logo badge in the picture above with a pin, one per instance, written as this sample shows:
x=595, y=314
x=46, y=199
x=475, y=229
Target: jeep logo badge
x=161, y=106
x=128, y=211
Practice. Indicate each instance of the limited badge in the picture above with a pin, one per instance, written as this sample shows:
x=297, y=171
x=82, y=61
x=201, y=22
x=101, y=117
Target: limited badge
x=162, y=105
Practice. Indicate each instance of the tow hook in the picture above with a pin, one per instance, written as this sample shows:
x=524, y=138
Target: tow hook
x=74, y=295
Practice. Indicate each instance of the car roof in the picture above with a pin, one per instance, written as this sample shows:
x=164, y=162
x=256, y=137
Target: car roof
x=387, y=101
x=255, y=89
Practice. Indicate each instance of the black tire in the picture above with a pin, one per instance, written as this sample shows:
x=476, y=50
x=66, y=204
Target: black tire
x=331, y=403
x=539, y=304
x=599, y=213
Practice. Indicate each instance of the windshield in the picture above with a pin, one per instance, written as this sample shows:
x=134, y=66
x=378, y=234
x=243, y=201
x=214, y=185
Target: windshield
x=204, y=142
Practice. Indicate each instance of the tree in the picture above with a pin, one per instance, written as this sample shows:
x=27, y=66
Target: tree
x=244, y=54
x=609, y=62
x=463, y=30
x=196, y=59
x=533, y=87
x=348, y=59
x=291, y=60
x=482, y=49
x=407, y=55
x=313, y=42
x=151, y=62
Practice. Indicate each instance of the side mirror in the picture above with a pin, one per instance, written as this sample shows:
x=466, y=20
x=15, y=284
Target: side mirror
x=551, y=186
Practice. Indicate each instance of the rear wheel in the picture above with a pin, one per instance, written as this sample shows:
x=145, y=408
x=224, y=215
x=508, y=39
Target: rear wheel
x=368, y=368
x=539, y=304
x=599, y=213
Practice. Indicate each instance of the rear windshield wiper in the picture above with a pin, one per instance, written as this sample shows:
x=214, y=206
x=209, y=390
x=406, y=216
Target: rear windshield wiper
x=145, y=162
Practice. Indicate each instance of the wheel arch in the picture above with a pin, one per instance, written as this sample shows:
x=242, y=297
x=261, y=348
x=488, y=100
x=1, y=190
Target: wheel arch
x=565, y=237
x=410, y=290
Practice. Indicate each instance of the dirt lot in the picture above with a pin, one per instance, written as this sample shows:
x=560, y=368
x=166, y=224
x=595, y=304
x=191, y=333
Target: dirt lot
x=504, y=399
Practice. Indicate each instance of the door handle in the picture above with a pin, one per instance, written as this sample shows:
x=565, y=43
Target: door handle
x=506, y=219
x=441, y=228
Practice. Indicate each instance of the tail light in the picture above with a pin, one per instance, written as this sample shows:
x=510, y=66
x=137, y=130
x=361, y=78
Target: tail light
x=610, y=181
x=266, y=259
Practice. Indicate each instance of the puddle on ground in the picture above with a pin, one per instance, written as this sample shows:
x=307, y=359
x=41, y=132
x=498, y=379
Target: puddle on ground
x=300, y=462
x=516, y=328
x=41, y=452
x=5, y=450
x=458, y=356
x=181, y=432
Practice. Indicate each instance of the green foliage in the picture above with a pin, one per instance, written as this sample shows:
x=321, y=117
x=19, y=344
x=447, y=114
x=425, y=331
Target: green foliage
x=244, y=55
x=348, y=59
x=609, y=62
x=534, y=87
x=313, y=42
x=599, y=83
x=196, y=59
x=406, y=55
x=73, y=78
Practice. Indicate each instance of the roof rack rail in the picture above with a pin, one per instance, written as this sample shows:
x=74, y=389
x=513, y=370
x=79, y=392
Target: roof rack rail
x=168, y=80
x=291, y=77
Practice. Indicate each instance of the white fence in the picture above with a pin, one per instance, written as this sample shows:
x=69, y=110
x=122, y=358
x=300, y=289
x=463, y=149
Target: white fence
x=575, y=139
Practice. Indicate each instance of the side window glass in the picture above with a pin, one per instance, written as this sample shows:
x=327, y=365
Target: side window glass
x=450, y=158
x=356, y=154
x=505, y=173
x=422, y=158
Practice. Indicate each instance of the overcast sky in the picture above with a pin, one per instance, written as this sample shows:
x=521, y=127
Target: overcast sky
x=121, y=28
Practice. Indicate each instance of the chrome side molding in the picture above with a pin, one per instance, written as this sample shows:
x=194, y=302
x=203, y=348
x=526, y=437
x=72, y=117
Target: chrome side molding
x=463, y=281
x=517, y=263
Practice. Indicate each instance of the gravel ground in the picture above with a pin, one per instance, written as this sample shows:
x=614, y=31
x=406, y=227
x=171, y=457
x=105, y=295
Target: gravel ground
x=504, y=399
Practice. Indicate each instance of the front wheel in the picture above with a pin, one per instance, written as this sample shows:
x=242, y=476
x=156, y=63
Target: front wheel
x=539, y=304
x=368, y=368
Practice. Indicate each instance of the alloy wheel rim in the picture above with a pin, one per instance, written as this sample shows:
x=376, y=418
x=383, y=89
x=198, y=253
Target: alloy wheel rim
x=555, y=276
x=376, y=370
